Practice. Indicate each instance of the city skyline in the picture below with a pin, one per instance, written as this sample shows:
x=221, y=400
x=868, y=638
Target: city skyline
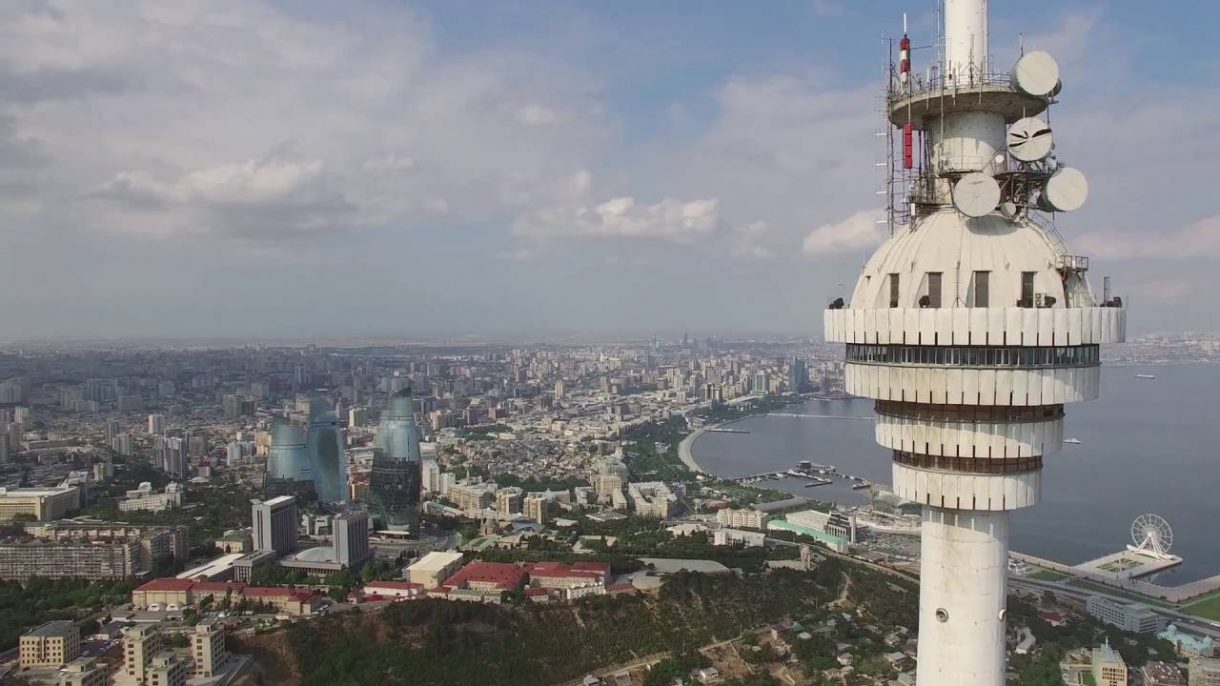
x=450, y=169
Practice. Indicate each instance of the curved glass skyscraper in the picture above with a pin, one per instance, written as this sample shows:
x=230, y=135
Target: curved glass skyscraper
x=289, y=471
x=324, y=445
x=394, y=485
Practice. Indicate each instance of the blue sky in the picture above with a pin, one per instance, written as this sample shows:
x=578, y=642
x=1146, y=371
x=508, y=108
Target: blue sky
x=215, y=168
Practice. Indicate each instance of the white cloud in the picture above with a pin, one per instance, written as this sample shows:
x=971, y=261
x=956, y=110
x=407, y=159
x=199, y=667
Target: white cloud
x=670, y=220
x=253, y=199
x=536, y=114
x=859, y=231
x=179, y=113
x=1200, y=240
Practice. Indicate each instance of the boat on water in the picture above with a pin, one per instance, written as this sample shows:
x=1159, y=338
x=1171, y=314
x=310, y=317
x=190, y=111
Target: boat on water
x=1072, y=441
x=1145, y=376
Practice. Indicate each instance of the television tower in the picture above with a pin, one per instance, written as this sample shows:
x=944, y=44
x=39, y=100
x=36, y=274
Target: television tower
x=972, y=326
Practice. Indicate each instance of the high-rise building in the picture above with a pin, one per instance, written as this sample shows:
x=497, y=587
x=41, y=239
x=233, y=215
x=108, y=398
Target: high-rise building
x=431, y=477
x=972, y=327
x=156, y=424
x=275, y=524
x=50, y=645
x=324, y=445
x=208, y=649
x=112, y=433
x=171, y=454
x=472, y=498
x=140, y=643
x=508, y=501
x=350, y=536
x=1108, y=667
x=289, y=468
x=798, y=375
x=395, y=481
x=534, y=507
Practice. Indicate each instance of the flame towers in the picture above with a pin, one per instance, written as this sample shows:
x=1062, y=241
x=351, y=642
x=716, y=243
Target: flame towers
x=308, y=462
x=394, y=485
x=972, y=327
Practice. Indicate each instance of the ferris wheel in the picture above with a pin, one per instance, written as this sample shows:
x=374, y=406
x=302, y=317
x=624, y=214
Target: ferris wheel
x=1151, y=535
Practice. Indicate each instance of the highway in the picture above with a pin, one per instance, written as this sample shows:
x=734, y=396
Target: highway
x=1182, y=619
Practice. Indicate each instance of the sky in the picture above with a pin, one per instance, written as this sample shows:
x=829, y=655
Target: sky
x=542, y=168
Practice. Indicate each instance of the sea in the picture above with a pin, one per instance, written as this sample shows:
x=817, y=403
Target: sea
x=1146, y=446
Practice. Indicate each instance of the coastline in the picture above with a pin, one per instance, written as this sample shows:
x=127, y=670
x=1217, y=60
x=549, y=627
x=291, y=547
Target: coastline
x=686, y=454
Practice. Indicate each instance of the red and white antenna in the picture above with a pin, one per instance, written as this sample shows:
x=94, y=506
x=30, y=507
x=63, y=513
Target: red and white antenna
x=904, y=56
x=904, y=80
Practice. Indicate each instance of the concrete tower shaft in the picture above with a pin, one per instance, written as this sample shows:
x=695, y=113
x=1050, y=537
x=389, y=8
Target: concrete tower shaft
x=965, y=39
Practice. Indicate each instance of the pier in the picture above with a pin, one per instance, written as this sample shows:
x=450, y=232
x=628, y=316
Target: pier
x=1127, y=564
x=801, y=415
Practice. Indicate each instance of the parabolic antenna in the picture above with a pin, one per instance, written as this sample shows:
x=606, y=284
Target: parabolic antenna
x=976, y=194
x=1036, y=73
x=1065, y=191
x=1030, y=139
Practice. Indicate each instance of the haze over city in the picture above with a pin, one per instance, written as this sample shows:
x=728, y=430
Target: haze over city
x=262, y=169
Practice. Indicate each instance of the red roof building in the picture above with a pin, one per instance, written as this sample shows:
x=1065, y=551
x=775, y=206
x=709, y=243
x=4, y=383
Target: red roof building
x=168, y=584
x=559, y=575
x=487, y=576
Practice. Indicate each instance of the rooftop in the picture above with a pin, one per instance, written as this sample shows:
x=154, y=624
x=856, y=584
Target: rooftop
x=167, y=585
x=280, y=500
x=502, y=574
x=36, y=492
x=554, y=570
x=391, y=584
x=435, y=561
x=213, y=568
x=59, y=627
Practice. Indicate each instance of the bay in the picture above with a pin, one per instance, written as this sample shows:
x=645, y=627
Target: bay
x=1147, y=445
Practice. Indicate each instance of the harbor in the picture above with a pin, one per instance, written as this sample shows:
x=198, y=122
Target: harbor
x=814, y=474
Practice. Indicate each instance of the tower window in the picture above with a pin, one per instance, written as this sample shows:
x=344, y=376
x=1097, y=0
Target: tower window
x=893, y=290
x=982, y=289
x=934, y=289
x=1027, y=289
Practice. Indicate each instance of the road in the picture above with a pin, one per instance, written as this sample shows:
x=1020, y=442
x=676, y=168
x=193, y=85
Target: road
x=1182, y=619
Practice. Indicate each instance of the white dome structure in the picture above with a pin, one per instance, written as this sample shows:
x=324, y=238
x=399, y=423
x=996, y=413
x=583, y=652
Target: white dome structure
x=955, y=246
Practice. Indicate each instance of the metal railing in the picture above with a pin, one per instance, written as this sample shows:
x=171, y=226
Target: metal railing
x=946, y=84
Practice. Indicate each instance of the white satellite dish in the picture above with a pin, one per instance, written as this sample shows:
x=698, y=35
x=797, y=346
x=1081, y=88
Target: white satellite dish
x=976, y=194
x=1030, y=139
x=1065, y=191
x=1036, y=73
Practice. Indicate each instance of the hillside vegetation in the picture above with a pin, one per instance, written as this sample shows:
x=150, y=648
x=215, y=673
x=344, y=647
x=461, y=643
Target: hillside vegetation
x=440, y=642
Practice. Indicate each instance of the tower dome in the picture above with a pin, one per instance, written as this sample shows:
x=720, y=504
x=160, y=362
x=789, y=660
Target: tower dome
x=951, y=248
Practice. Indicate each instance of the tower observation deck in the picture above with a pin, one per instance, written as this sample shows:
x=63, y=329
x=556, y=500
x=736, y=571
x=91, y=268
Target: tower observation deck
x=972, y=328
